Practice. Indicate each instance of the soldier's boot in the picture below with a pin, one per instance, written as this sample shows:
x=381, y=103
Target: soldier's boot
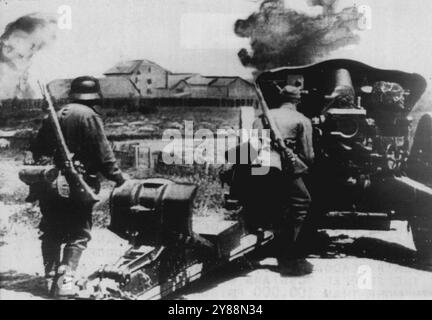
x=291, y=259
x=294, y=267
x=51, y=260
x=65, y=286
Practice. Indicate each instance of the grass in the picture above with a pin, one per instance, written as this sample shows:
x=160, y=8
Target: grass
x=136, y=125
x=152, y=125
x=209, y=199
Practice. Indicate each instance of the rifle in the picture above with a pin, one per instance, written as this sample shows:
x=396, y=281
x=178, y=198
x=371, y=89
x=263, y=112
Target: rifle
x=291, y=163
x=79, y=189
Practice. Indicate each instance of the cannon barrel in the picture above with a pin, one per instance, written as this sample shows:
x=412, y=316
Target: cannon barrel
x=342, y=84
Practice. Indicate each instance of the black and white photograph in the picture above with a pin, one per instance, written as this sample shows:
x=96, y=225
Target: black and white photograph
x=243, y=150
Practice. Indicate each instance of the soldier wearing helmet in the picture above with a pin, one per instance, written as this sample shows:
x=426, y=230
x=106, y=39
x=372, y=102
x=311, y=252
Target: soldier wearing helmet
x=63, y=221
x=288, y=190
x=387, y=105
x=389, y=95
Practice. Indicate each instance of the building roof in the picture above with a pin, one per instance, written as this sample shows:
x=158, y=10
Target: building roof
x=223, y=81
x=199, y=80
x=175, y=78
x=129, y=67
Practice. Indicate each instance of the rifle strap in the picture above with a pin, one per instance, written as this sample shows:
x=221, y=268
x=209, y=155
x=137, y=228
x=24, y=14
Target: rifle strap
x=278, y=128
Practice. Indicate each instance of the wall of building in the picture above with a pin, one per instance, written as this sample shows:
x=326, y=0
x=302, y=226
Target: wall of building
x=240, y=89
x=182, y=86
x=117, y=87
x=149, y=78
x=217, y=92
x=198, y=91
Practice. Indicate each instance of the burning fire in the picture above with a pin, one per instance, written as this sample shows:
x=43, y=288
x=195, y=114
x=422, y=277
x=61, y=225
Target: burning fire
x=21, y=40
x=280, y=36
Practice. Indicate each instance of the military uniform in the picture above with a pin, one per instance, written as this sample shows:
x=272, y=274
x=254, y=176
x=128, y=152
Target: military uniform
x=289, y=194
x=64, y=220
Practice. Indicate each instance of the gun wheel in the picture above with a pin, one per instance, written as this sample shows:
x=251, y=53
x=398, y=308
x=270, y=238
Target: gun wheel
x=421, y=228
x=420, y=159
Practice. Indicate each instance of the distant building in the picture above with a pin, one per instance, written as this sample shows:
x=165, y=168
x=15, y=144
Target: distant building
x=175, y=78
x=194, y=87
x=118, y=87
x=234, y=87
x=216, y=87
x=144, y=78
x=113, y=87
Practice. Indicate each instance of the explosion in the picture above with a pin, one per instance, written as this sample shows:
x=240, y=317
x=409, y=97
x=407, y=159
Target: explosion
x=281, y=36
x=21, y=40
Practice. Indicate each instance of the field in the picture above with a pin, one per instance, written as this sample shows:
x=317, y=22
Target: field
x=19, y=220
x=152, y=125
x=148, y=124
x=120, y=126
x=339, y=262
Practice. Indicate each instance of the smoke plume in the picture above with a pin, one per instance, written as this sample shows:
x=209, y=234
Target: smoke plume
x=327, y=5
x=281, y=36
x=20, y=41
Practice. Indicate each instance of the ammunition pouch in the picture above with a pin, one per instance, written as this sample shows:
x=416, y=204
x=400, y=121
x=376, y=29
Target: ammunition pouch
x=31, y=175
x=300, y=167
x=62, y=188
x=47, y=181
x=40, y=179
x=93, y=181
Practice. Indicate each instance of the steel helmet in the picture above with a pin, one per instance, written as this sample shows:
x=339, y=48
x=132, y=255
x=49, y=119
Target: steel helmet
x=389, y=93
x=85, y=88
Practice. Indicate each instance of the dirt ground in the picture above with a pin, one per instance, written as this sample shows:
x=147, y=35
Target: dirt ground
x=354, y=265
x=350, y=264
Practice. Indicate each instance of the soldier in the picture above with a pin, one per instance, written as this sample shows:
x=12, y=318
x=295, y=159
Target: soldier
x=289, y=194
x=65, y=221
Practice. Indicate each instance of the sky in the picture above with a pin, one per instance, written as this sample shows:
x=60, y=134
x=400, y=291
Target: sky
x=197, y=35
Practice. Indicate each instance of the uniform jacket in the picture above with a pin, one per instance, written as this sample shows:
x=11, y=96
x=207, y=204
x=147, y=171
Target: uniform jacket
x=85, y=137
x=295, y=128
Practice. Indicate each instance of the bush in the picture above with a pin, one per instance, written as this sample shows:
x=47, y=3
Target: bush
x=210, y=195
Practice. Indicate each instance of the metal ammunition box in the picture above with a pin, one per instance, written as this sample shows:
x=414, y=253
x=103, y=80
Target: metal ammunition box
x=224, y=234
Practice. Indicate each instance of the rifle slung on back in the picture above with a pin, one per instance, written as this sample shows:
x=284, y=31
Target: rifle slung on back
x=80, y=191
x=291, y=163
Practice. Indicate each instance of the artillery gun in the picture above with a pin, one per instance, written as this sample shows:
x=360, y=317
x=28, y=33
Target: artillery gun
x=370, y=167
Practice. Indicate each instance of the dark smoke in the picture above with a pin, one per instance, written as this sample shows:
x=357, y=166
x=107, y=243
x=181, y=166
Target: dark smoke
x=281, y=36
x=20, y=41
x=327, y=5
